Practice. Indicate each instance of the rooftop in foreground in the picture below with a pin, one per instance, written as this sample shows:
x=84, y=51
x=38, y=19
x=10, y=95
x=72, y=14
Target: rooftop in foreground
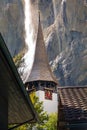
x=12, y=92
x=73, y=105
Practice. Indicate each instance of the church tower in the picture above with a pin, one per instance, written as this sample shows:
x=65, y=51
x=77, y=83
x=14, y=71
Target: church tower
x=41, y=78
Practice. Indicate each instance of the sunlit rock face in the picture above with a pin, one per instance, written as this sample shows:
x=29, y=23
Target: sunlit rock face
x=66, y=40
x=12, y=24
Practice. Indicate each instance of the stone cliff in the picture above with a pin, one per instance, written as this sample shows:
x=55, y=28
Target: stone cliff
x=12, y=24
x=64, y=25
x=66, y=39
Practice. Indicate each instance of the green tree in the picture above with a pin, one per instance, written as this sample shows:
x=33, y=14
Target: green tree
x=18, y=59
x=51, y=124
x=19, y=62
x=23, y=127
x=38, y=105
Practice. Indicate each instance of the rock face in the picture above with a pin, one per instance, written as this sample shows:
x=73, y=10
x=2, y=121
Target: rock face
x=66, y=40
x=12, y=24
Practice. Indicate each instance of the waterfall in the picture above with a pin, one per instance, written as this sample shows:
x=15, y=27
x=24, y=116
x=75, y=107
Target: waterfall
x=62, y=6
x=63, y=2
x=54, y=8
x=29, y=39
x=60, y=19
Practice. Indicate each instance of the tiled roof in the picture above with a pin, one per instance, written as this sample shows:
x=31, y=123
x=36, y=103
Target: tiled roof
x=74, y=103
x=40, y=70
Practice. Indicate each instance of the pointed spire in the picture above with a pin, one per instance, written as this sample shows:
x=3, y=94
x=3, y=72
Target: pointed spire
x=40, y=69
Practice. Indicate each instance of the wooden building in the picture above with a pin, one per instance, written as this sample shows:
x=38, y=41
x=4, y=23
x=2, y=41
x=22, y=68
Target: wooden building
x=41, y=77
x=15, y=104
x=72, y=108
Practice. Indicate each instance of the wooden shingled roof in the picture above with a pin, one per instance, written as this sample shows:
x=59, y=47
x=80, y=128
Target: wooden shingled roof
x=15, y=104
x=73, y=104
x=40, y=70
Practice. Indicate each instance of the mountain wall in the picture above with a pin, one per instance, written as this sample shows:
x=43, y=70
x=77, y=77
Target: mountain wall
x=12, y=24
x=66, y=39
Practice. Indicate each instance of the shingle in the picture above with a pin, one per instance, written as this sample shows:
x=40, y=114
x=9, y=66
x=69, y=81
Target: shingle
x=40, y=69
x=74, y=103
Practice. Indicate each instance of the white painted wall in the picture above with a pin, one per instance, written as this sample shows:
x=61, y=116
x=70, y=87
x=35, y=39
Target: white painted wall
x=49, y=105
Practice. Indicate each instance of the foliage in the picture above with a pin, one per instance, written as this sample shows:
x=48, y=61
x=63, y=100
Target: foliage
x=46, y=122
x=32, y=96
x=19, y=62
x=23, y=127
x=51, y=124
x=42, y=115
x=38, y=105
x=18, y=59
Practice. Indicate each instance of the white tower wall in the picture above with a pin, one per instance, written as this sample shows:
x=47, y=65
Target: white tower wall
x=50, y=106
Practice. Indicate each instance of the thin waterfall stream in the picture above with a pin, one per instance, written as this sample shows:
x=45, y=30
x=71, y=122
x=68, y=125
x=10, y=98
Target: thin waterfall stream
x=29, y=39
